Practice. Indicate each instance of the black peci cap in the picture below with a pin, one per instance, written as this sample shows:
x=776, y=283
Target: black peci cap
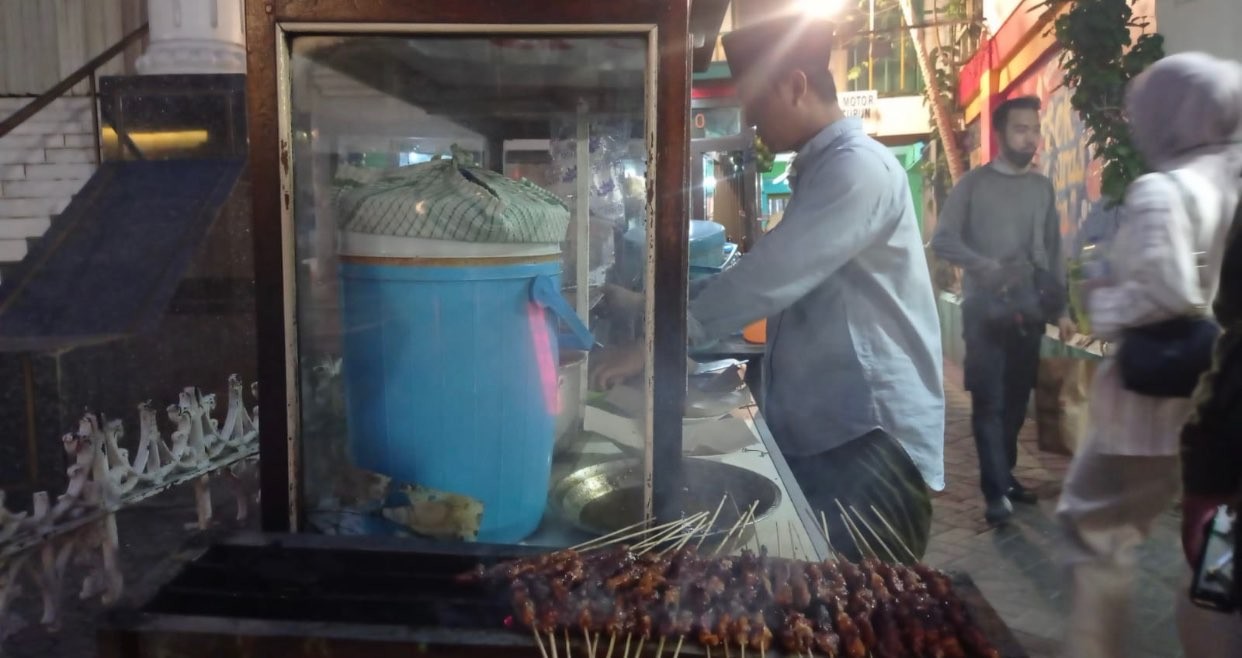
x=779, y=44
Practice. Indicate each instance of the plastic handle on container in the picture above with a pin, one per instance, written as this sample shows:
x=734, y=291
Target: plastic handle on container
x=544, y=293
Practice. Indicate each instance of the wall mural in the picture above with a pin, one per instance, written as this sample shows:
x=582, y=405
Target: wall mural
x=1064, y=157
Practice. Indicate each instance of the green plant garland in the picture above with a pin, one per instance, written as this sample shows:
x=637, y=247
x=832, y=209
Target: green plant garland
x=1099, y=58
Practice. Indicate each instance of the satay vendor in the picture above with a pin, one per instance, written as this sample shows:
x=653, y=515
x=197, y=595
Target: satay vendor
x=853, y=389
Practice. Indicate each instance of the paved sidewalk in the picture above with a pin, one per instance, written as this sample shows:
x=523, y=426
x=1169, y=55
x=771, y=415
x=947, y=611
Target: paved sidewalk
x=1016, y=566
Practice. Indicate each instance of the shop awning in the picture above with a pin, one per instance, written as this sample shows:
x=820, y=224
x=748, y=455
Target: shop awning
x=112, y=260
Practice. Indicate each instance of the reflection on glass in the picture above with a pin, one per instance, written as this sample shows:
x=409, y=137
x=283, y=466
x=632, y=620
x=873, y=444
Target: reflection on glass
x=459, y=204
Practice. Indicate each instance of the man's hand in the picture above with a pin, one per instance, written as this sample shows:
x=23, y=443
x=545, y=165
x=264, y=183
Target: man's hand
x=614, y=366
x=623, y=300
x=1197, y=512
x=1067, y=327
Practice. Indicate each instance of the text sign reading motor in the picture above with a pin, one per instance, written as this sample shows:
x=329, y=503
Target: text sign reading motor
x=860, y=104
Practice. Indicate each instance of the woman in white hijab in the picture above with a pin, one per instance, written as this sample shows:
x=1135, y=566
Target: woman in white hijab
x=1185, y=113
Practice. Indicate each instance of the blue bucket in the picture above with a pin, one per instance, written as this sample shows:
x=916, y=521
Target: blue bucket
x=451, y=379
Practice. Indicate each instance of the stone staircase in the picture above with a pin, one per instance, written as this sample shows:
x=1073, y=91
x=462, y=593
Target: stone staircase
x=43, y=163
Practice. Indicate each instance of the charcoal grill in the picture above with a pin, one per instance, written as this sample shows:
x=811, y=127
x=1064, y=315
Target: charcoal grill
x=291, y=596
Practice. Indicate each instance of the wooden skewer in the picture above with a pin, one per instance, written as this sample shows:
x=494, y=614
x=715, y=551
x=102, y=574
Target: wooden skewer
x=896, y=536
x=763, y=650
x=641, y=533
x=739, y=523
x=672, y=533
x=602, y=541
x=828, y=538
x=677, y=526
x=595, y=645
x=543, y=651
x=586, y=637
x=626, y=653
x=569, y=650
x=859, y=541
x=738, y=528
x=552, y=643
x=612, y=642
x=677, y=650
x=689, y=535
x=726, y=648
x=638, y=651
x=712, y=524
x=879, y=540
x=660, y=649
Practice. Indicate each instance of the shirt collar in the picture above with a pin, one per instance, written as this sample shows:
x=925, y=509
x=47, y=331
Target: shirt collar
x=820, y=143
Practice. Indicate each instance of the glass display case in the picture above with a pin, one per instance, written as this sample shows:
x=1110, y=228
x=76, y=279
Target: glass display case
x=442, y=198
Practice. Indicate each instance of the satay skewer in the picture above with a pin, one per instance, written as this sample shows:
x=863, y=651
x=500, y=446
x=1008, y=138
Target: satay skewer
x=543, y=651
x=739, y=527
x=712, y=524
x=612, y=642
x=601, y=541
x=660, y=648
x=686, y=529
x=896, y=536
x=875, y=534
x=661, y=532
x=552, y=643
x=626, y=653
x=859, y=540
x=677, y=649
x=827, y=538
x=569, y=650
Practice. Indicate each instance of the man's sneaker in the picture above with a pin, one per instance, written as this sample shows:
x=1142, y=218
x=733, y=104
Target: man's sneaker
x=998, y=511
x=1020, y=494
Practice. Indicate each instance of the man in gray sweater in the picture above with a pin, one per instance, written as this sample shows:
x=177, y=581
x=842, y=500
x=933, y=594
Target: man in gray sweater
x=998, y=224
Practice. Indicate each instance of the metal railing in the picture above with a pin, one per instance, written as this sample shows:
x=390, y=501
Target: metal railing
x=88, y=71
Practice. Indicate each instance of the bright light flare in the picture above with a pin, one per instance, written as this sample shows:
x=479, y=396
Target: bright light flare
x=821, y=8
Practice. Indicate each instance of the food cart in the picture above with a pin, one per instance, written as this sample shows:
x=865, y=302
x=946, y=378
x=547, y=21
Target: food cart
x=417, y=310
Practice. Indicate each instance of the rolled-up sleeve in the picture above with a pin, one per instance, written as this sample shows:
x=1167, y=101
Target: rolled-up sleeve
x=1153, y=256
x=835, y=214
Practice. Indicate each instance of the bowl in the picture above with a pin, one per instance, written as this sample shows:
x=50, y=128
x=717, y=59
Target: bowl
x=606, y=497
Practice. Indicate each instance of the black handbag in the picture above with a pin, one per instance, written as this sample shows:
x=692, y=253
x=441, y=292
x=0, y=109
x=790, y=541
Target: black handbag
x=1166, y=359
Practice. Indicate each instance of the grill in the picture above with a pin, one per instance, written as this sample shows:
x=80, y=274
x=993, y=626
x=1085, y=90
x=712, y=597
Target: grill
x=306, y=595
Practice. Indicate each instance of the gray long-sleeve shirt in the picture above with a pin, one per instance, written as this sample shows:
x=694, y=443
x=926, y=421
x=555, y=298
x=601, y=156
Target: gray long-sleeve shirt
x=993, y=216
x=853, y=335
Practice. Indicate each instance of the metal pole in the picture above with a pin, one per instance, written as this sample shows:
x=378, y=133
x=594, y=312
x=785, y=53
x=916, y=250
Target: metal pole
x=96, y=129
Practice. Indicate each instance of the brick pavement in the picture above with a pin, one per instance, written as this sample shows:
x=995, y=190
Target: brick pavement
x=1016, y=566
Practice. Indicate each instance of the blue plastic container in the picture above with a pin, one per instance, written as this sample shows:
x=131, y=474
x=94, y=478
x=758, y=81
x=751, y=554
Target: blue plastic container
x=451, y=380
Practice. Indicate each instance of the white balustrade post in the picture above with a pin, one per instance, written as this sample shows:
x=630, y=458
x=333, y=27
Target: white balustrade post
x=194, y=36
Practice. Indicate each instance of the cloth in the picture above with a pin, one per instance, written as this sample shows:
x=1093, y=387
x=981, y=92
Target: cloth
x=1000, y=369
x=1206, y=633
x=853, y=335
x=1107, y=508
x=448, y=199
x=870, y=471
x=992, y=216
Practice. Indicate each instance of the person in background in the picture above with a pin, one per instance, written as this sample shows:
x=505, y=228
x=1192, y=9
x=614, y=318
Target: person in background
x=999, y=221
x=1212, y=460
x=1184, y=113
x=853, y=389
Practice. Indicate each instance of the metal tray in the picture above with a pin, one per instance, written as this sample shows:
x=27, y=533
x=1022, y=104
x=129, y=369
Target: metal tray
x=607, y=497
